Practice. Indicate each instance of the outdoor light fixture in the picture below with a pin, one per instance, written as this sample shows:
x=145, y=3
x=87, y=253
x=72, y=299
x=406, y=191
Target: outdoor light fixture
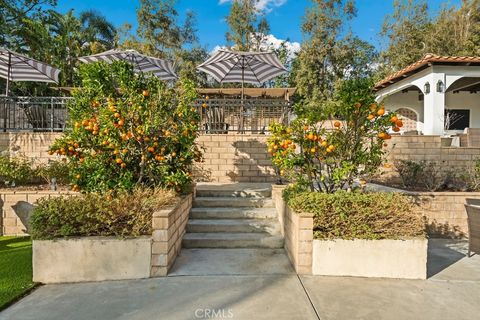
x=440, y=86
x=426, y=88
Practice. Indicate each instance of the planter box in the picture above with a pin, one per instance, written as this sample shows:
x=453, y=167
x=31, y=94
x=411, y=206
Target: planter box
x=405, y=259
x=91, y=259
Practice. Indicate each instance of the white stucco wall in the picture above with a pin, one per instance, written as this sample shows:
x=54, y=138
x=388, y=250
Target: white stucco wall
x=406, y=100
x=461, y=100
x=468, y=101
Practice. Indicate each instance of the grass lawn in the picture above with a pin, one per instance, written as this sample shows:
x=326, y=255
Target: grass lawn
x=15, y=268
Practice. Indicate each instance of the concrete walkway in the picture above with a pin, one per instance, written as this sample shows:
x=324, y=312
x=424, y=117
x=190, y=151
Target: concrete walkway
x=214, y=288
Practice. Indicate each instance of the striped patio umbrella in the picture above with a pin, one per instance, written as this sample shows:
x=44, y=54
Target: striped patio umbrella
x=17, y=67
x=162, y=69
x=244, y=67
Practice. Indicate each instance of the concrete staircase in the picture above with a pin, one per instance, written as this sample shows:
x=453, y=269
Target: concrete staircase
x=233, y=216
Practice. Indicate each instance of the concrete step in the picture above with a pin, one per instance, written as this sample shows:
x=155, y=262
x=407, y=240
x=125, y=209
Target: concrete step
x=233, y=213
x=213, y=202
x=243, y=190
x=239, y=261
x=270, y=226
x=232, y=240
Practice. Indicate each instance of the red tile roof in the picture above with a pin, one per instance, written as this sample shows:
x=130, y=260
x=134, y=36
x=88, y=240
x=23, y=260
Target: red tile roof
x=426, y=61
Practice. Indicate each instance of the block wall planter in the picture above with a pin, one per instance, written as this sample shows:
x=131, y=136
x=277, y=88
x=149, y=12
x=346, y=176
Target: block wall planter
x=362, y=258
x=108, y=258
x=91, y=259
x=403, y=259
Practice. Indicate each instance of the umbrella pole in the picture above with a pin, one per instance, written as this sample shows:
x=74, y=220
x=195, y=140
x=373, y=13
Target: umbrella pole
x=7, y=89
x=9, y=72
x=242, y=97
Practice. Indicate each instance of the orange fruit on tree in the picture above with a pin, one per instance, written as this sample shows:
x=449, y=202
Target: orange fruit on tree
x=145, y=93
x=310, y=136
x=121, y=122
x=313, y=150
x=116, y=115
x=382, y=135
x=118, y=160
x=151, y=149
x=393, y=119
x=370, y=116
x=174, y=154
x=123, y=165
x=337, y=124
x=381, y=112
x=373, y=107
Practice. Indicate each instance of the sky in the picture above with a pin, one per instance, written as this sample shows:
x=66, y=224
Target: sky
x=284, y=16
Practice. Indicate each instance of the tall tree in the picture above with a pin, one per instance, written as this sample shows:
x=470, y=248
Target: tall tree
x=12, y=14
x=160, y=31
x=329, y=53
x=247, y=26
x=411, y=32
x=406, y=31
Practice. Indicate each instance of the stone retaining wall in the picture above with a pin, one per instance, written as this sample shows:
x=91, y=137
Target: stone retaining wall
x=29, y=144
x=297, y=231
x=445, y=212
x=16, y=208
x=429, y=148
x=228, y=157
x=234, y=158
x=168, y=229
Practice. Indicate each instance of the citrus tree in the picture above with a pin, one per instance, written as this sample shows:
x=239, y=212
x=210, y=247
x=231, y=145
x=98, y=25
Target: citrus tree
x=344, y=140
x=127, y=130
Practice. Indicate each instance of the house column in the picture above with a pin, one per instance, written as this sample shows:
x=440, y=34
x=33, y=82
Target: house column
x=434, y=106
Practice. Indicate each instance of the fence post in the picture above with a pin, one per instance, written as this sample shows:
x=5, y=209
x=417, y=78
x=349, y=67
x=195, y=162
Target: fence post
x=52, y=116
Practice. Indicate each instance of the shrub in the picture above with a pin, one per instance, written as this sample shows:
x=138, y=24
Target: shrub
x=323, y=154
x=54, y=169
x=16, y=171
x=357, y=215
x=425, y=175
x=129, y=130
x=410, y=171
x=126, y=214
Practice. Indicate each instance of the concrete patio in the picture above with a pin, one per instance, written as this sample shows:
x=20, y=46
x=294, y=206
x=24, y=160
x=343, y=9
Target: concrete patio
x=213, y=288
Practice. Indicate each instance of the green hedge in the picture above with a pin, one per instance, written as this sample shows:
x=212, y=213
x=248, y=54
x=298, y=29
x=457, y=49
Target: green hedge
x=126, y=214
x=357, y=215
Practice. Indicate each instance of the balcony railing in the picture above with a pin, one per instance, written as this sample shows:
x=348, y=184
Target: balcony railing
x=220, y=116
x=33, y=113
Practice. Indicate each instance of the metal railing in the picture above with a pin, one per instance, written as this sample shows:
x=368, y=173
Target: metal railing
x=222, y=116
x=33, y=113
x=218, y=116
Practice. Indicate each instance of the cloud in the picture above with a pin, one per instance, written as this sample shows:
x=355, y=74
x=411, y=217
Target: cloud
x=262, y=5
x=270, y=42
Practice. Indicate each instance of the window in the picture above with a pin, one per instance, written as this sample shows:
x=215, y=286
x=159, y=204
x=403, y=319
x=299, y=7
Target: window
x=457, y=119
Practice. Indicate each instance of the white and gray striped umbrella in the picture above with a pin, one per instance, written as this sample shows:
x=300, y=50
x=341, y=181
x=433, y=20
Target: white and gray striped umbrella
x=162, y=69
x=17, y=67
x=244, y=67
